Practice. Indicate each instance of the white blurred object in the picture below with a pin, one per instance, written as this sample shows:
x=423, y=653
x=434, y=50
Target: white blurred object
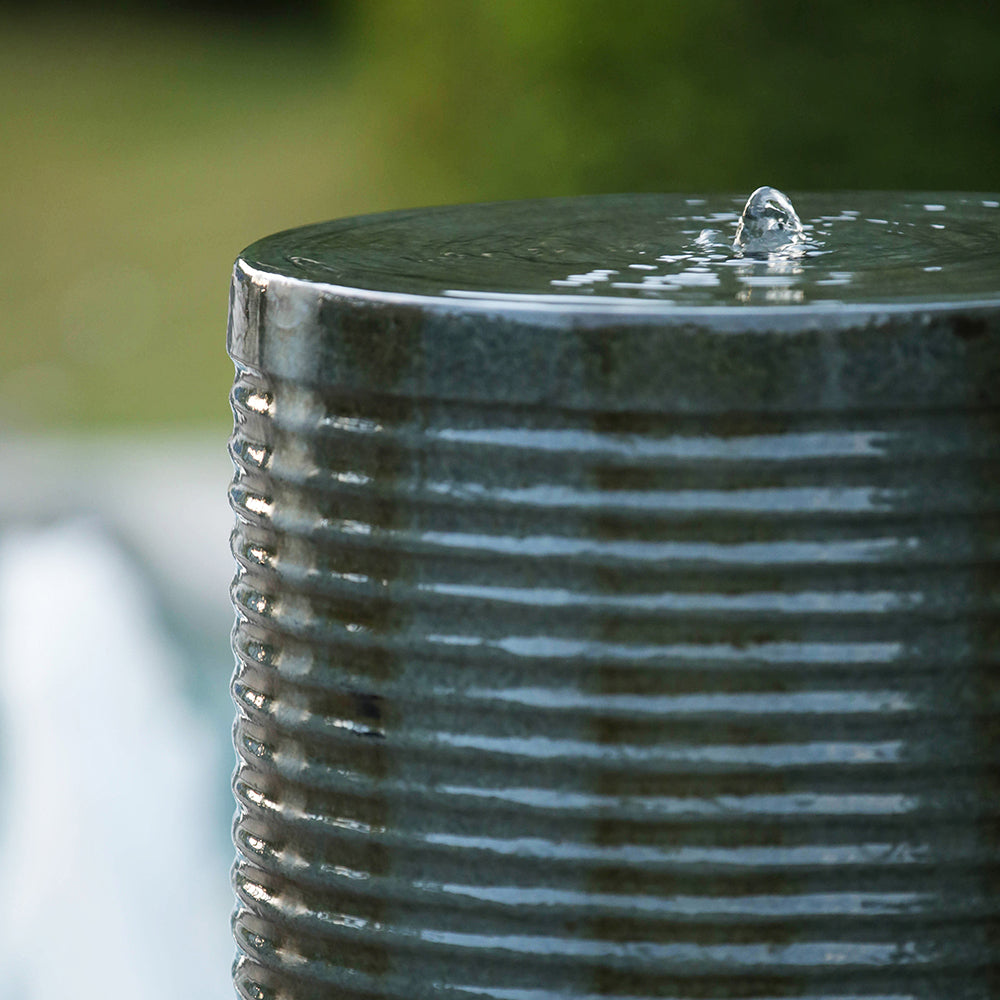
x=164, y=494
x=114, y=886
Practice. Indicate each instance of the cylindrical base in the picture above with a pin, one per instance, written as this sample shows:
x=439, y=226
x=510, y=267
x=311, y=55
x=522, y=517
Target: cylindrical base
x=581, y=656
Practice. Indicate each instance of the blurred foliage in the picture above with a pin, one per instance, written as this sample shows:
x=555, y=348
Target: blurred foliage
x=519, y=97
x=144, y=145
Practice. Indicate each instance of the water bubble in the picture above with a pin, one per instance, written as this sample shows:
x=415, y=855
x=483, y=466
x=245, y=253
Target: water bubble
x=769, y=222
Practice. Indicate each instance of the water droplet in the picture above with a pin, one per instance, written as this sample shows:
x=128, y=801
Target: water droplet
x=769, y=222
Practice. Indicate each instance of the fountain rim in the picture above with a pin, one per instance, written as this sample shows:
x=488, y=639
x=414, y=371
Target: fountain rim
x=611, y=308
x=538, y=309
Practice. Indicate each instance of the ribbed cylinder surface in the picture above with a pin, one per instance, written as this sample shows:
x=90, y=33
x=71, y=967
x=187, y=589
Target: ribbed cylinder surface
x=608, y=652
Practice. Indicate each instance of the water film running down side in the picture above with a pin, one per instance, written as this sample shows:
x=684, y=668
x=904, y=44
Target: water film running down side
x=648, y=251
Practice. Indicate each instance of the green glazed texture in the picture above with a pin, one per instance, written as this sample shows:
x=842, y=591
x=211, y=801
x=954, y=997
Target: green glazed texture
x=637, y=643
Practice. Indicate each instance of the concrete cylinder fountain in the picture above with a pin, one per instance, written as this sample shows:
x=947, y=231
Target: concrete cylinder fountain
x=617, y=601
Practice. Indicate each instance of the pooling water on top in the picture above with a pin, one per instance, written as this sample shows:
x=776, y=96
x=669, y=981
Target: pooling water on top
x=766, y=255
x=657, y=250
x=765, y=252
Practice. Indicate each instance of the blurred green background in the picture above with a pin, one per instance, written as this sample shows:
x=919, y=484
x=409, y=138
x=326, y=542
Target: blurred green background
x=143, y=145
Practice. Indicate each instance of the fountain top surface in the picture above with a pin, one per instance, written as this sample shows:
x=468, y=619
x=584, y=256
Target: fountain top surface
x=661, y=252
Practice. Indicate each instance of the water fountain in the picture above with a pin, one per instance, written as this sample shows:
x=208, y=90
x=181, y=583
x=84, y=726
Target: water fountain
x=617, y=600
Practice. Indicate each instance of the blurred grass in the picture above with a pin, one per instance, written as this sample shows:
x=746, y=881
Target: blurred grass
x=140, y=154
x=136, y=165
